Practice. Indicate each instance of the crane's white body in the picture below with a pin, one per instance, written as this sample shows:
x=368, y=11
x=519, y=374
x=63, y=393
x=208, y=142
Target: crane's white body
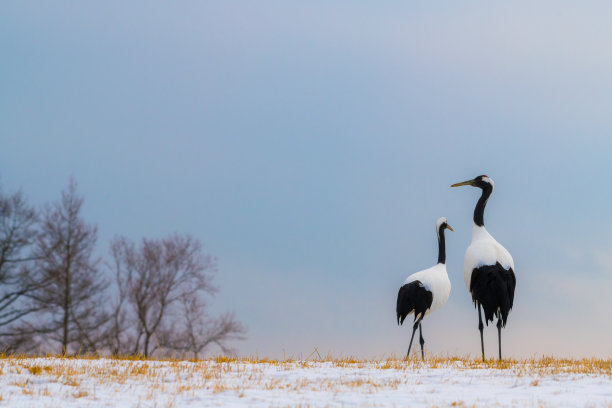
x=484, y=250
x=435, y=280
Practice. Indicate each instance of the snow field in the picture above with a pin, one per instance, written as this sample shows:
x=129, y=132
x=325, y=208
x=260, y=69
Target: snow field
x=438, y=382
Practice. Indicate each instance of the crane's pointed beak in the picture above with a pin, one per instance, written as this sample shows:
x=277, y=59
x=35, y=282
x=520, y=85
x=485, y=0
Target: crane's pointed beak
x=449, y=227
x=464, y=183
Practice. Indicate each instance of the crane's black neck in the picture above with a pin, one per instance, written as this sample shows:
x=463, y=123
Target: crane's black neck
x=480, y=205
x=441, y=245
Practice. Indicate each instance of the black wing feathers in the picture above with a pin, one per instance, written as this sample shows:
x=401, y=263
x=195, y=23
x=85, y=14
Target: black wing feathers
x=412, y=297
x=493, y=287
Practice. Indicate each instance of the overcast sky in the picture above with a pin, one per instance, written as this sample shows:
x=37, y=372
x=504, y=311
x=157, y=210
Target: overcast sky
x=310, y=146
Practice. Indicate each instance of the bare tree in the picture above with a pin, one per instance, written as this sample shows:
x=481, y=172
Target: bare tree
x=200, y=331
x=158, y=280
x=72, y=297
x=123, y=328
x=17, y=233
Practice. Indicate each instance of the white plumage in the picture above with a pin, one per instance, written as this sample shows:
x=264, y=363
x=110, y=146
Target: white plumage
x=434, y=280
x=484, y=250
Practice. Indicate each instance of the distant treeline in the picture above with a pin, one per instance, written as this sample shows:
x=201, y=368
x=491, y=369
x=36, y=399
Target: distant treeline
x=57, y=296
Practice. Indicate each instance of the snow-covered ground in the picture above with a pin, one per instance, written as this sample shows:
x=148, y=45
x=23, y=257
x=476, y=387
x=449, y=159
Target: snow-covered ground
x=56, y=382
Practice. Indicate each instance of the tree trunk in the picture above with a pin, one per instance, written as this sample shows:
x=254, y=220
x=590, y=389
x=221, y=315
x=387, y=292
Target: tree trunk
x=146, y=344
x=66, y=311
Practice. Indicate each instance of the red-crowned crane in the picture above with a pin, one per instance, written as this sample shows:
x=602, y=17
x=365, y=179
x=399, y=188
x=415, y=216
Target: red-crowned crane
x=488, y=268
x=426, y=290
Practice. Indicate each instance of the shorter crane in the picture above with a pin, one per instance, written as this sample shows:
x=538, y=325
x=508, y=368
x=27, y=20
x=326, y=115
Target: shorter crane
x=426, y=290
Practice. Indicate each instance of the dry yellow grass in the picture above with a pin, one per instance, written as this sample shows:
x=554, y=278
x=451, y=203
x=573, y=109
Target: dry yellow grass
x=543, y=365
x=219, y=364
x=78, y=378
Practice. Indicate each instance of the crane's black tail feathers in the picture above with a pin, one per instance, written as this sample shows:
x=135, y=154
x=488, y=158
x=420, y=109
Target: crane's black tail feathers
x=493, y=287
x=412, y=297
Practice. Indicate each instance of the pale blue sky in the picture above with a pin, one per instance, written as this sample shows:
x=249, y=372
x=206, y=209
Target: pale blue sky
x=311, y=147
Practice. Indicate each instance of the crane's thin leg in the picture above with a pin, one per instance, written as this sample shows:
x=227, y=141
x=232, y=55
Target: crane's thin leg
x=481, y=327
x=416, y=324
x=499, y=326
x=422, y=341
